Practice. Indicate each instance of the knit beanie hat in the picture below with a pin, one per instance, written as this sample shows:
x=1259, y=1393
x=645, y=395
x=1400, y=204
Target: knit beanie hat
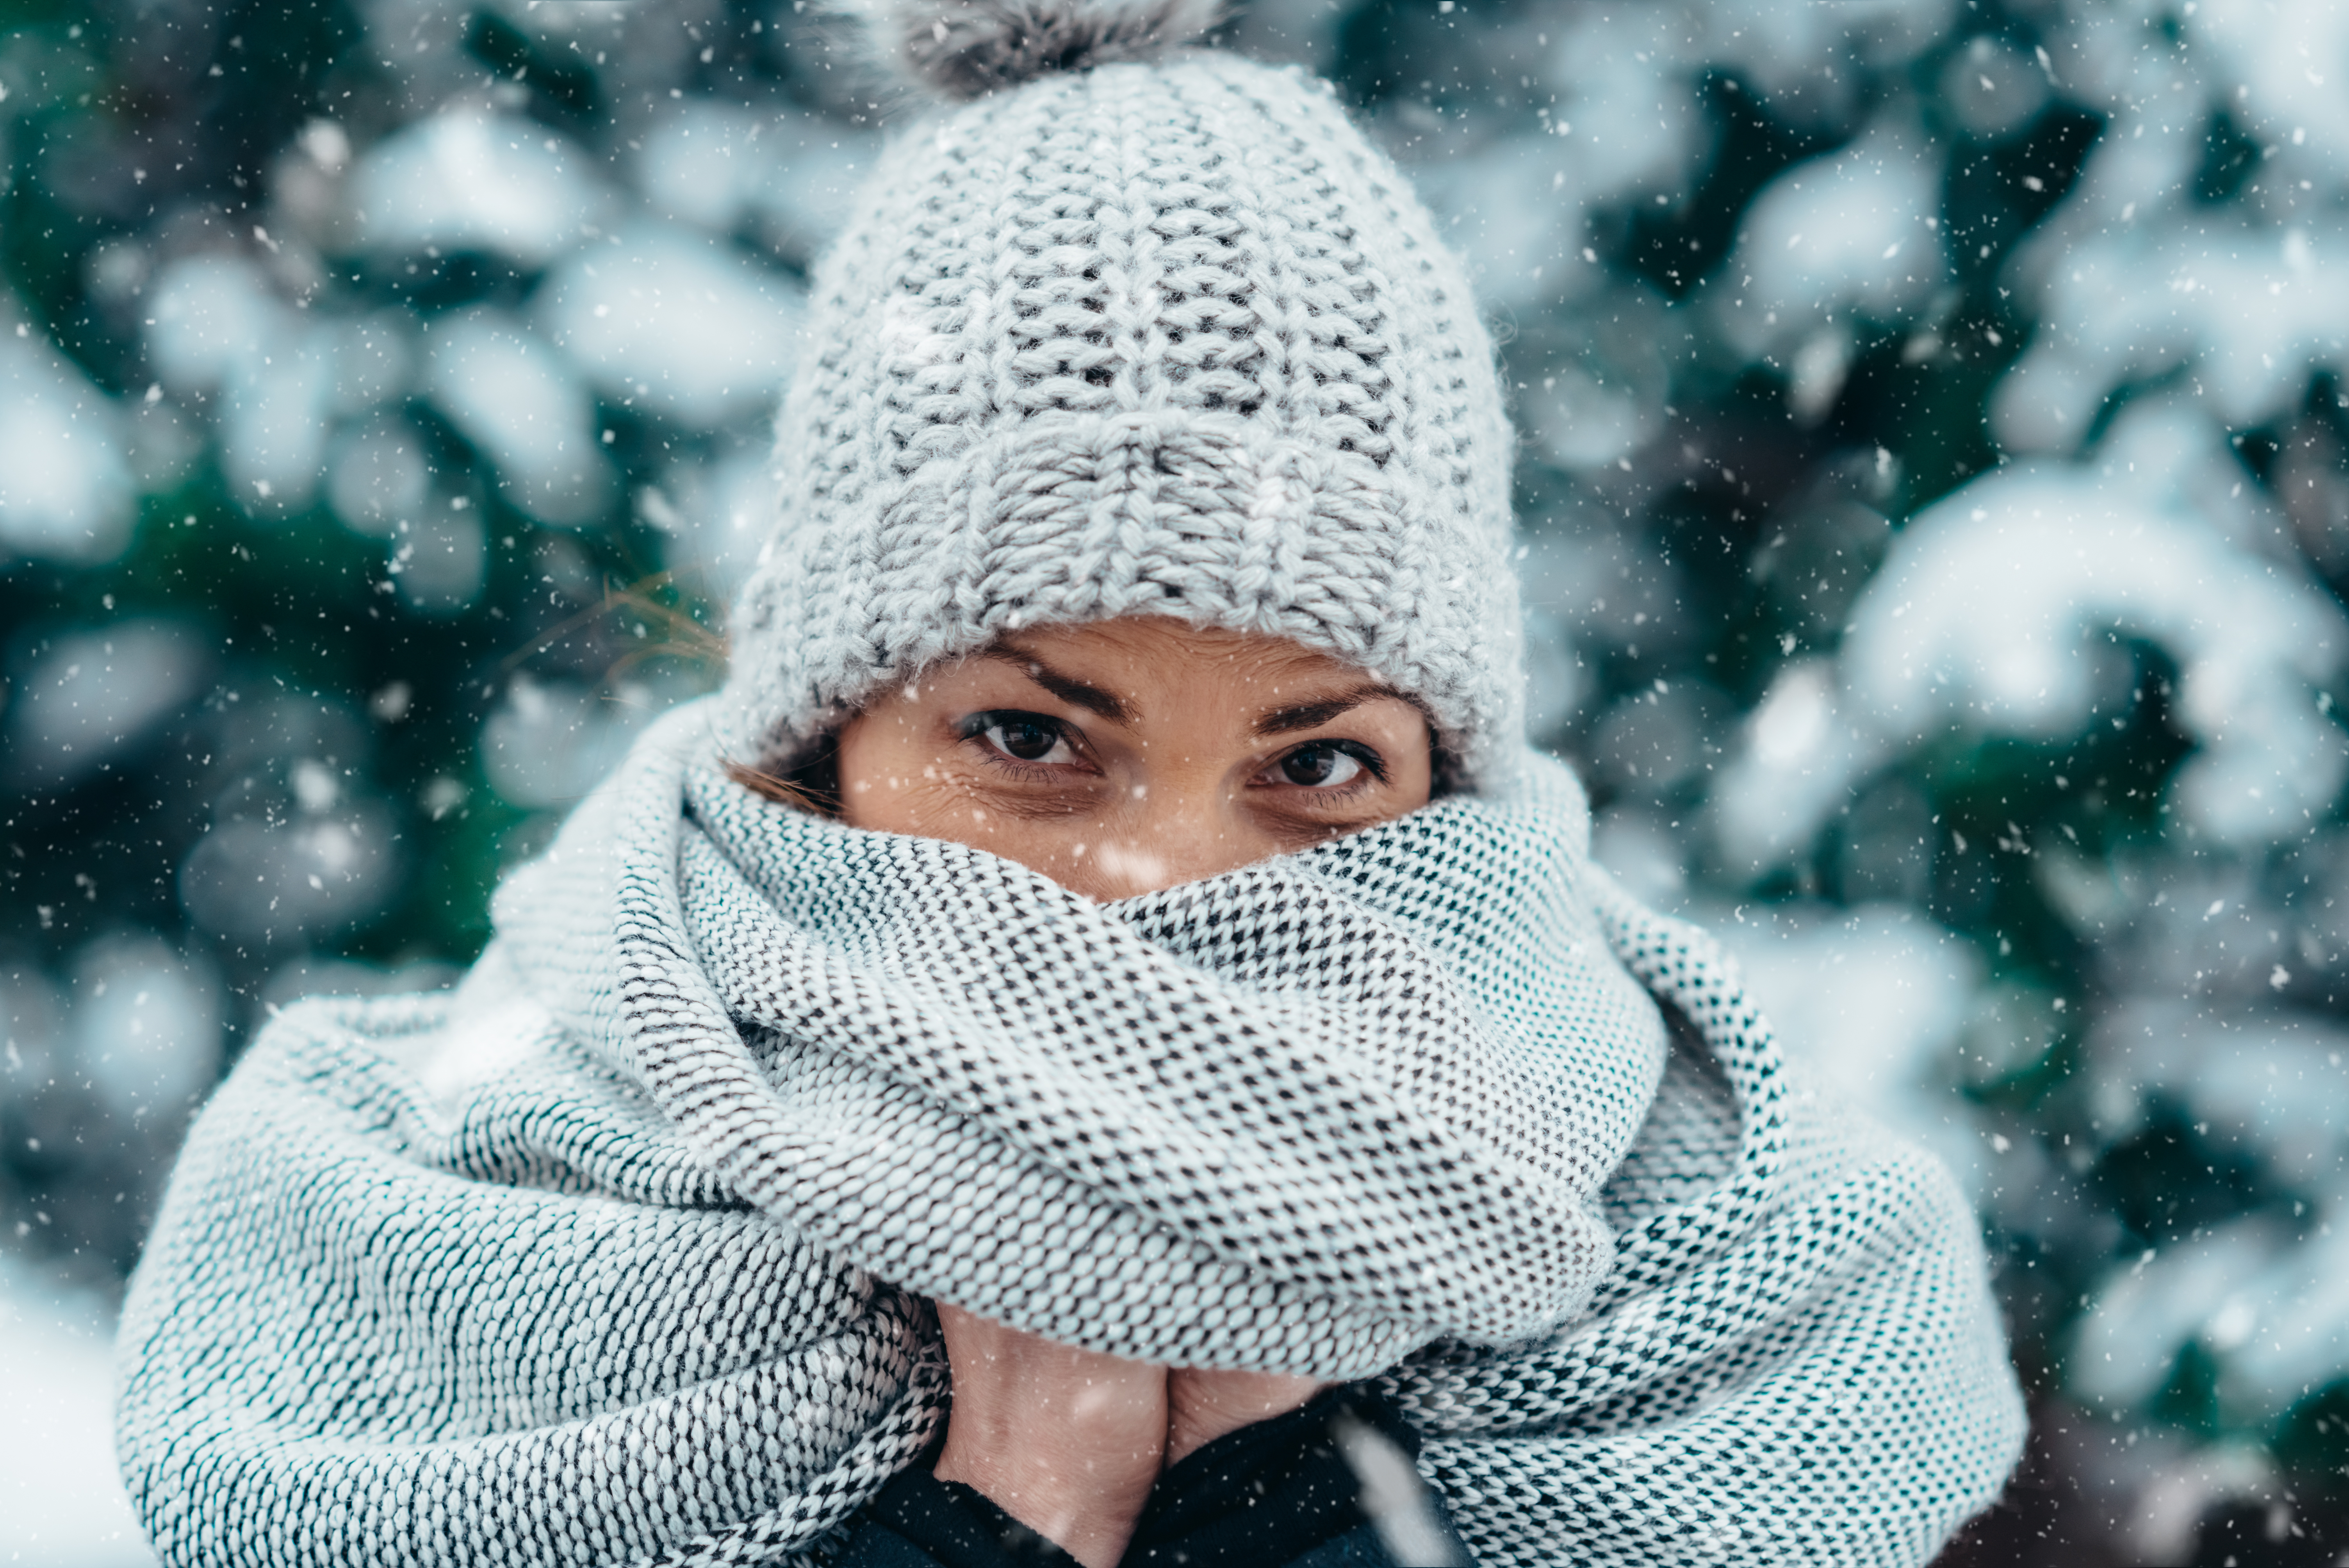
x=1124, y=327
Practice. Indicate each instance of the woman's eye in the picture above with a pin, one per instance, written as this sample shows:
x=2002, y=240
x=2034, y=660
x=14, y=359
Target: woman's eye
x=1319, y=767
x=1028, y=737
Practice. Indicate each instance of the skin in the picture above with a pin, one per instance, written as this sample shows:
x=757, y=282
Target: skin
x=1118, y=759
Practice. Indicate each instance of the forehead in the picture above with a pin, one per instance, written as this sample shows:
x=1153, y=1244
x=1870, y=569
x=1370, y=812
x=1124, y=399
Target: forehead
x=1158, y=648
x=1153, y=672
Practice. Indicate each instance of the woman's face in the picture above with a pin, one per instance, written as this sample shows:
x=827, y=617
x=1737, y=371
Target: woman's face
x=1127, y=756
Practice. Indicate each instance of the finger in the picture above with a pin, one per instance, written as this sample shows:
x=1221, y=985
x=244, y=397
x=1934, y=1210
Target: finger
x=1203, y=1406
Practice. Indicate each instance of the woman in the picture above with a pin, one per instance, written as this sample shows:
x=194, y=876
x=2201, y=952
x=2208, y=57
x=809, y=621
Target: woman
x=1100, y=1043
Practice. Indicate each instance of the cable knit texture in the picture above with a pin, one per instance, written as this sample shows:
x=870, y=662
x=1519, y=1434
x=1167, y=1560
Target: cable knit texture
x=1149, y=338
x=614, y=1256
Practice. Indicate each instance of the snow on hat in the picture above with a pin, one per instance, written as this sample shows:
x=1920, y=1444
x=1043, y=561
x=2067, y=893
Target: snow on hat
x=1120, y=327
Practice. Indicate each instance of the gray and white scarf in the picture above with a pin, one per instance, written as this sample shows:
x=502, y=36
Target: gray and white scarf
x=616, y=1254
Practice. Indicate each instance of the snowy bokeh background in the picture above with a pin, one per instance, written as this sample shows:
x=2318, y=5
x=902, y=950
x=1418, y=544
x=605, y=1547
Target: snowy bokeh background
x=1935, y=489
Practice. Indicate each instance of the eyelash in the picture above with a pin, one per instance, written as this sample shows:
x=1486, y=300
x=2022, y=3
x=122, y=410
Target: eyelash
x=975, y=729
x=1373, y=765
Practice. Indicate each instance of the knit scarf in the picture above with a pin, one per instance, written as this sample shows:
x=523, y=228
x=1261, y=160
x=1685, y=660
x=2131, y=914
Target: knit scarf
x=621, y=1252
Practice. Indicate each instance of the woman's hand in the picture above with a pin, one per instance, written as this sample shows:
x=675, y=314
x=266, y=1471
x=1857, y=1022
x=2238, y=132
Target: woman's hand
x=1203, y=1406
x=1066, y=1442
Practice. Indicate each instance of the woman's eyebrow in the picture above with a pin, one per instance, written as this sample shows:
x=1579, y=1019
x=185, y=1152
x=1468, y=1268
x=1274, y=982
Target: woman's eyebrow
x=1068, y=688
x=1313, y=715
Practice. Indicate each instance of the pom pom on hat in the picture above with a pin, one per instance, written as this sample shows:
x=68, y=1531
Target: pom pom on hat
x=963, y=48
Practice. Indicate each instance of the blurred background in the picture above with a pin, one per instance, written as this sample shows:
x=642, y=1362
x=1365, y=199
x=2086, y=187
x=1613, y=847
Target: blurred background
x=1935, y=490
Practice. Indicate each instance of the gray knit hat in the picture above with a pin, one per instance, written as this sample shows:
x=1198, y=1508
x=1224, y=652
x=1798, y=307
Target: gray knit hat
x=1136, y=329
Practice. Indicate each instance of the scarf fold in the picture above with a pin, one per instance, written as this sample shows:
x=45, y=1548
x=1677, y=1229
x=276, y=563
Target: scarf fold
x=618, y=1253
